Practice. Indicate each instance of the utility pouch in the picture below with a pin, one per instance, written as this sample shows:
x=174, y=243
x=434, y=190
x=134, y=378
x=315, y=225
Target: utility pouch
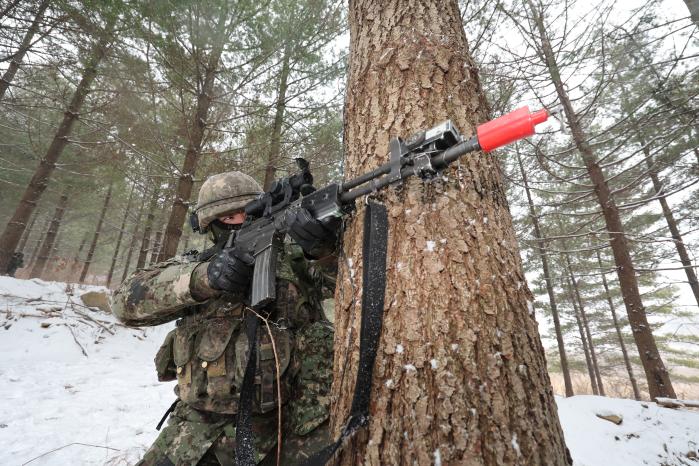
x=165, y=361
x=182, y=350
x=211, y=352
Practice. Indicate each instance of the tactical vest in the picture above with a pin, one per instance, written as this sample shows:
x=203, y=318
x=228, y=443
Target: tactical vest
x=207, y=351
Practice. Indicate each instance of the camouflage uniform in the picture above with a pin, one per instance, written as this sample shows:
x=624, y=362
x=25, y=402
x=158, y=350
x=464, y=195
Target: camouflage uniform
x=206, y=353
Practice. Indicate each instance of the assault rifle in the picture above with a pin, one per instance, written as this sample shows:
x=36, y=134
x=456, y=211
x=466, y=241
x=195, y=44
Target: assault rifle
x=424, y=154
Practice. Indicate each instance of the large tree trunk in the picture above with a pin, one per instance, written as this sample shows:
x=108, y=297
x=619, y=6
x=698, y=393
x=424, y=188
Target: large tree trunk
x=460, y=375
x=17, y=58
x=549, y=282
x=659, y=384
x=276, y=137
x=586, y=325
x=145, y=241
x=198, y=125
x=617, y=327
x=14, y=229
x=95, y=238
x=47, y=246
x=110, y=274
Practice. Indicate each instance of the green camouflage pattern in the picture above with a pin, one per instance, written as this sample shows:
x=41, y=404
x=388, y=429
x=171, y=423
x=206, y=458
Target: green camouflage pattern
x=223, y=194
x=206, y=353
x=155, y=295
x=310, y=403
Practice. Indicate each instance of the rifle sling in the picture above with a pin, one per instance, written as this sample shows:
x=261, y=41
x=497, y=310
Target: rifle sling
x=244, y=446
x=374, y=286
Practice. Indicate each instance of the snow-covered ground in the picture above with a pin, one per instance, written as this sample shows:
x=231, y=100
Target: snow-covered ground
x=98, y=409
x=59, y=406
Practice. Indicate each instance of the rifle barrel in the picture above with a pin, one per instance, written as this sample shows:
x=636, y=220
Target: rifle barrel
x=439, y=162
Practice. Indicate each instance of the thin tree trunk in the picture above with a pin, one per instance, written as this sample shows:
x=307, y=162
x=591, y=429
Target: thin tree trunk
x=47, y=246
x=617, y=327
x=14, y=229
x=95, y=238
x=586, y=326
x=76, y=259
x=17, y=58
x=183, y=193
x=132, y=245
x=460, y=375
x=672, y=225
x=583, y=338
x=549, y=283
x=119, y=237
x=659, y=384
x=276, y=136
x=145, y=242
x=155, y=248
x=37, y=247
x=27, y=232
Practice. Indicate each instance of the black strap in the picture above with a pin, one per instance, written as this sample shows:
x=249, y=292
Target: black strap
x=244, y=446
x=374, y=286
x=167, y=413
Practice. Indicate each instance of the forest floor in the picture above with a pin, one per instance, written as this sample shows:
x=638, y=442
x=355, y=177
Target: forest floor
x=78, y=388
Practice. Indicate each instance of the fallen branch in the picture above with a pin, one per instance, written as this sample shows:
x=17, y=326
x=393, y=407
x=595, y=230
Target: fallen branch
x=76, y=340
x=64, y=446
x=673, y=403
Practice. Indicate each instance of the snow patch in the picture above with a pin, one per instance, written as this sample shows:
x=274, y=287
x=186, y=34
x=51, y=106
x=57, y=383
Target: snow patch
x=410, y=368
x=515, y=445
x=434, y=363
x=437, y=458
x=399, y=348
x=429, y=247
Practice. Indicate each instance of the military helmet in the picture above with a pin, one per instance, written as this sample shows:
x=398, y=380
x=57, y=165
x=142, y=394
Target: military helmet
x=223, y=194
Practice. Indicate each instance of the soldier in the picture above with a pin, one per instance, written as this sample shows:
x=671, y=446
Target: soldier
x=206, y=352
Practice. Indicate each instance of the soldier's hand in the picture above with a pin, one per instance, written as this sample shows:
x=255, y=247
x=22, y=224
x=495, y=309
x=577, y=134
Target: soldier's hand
x=230, y=270
x=317, y=239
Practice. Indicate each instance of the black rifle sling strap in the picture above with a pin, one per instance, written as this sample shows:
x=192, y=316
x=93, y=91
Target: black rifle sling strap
x=374, y=289
x=244, y=446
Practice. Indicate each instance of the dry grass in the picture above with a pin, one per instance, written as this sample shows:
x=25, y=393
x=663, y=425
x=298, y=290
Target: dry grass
x=617, y=387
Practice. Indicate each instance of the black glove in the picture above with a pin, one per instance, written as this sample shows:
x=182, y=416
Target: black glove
x=317, y=239
x=230, y=270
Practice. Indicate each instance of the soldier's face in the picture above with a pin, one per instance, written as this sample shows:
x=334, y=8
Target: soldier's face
x=236, y=218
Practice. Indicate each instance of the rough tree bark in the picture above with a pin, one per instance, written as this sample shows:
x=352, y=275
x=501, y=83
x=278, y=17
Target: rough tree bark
x=460, y=374
x=110, y=274
x=95, y=238
x=276, y=136
x=586, y=325
x=36, y=187
x=47, y=246
x=17, y=58
x=659, y=384
x=617, y=327
x=549, y=282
